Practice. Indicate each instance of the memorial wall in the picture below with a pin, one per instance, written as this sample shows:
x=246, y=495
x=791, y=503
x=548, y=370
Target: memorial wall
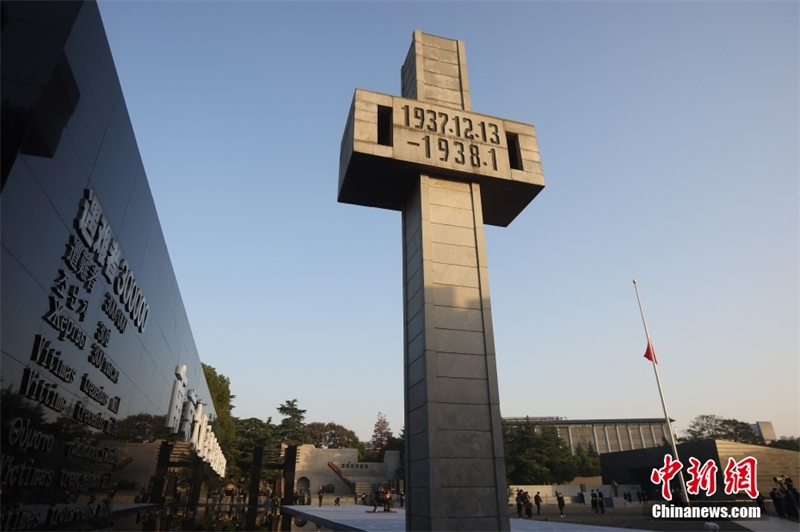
x=99, y=367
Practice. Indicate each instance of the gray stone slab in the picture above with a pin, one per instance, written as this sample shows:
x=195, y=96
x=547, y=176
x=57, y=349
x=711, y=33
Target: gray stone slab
x=461, y=366
x=414, y=283
x=469, y=472
x=416, y=371
x=458, y=319
x=356, y=518
x=447, y=69
x=450, y=274
x=416, y=300
x=415, y=326
x=467, y=417
x=466, y=342
x=462, y=391
x=444, y=81
x=418, y=419
x=416, y=348
x=437, y=54
x=465, y=443
x=418, y=470
x=449, y=185
x=457, y=296
x=416, y=397
x=443, y=214
x=434, y=41
x=482, y=499
x=414, y=261
x=452, y=198
x=453, y=254
x=447, y=234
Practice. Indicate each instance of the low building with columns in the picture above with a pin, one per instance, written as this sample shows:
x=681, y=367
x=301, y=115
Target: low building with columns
x=340, y=471
x=605, y=435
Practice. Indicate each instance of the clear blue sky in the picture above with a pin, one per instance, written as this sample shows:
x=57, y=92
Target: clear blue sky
x=669, y=141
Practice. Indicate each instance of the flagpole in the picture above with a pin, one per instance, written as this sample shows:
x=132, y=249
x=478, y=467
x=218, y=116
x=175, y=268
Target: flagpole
x=660, y=391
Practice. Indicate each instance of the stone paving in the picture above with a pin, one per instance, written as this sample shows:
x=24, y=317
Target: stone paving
x=578, y=518
x=360, y=518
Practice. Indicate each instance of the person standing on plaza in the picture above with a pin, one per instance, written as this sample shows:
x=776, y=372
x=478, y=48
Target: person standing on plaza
x=560, y=500
x=537, y=499
x=777, y=502
x=594, y=501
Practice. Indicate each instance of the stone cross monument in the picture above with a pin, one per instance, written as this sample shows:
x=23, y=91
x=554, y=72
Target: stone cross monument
x=449, y=171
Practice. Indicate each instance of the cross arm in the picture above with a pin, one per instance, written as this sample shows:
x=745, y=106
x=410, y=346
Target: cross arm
x=388, y=141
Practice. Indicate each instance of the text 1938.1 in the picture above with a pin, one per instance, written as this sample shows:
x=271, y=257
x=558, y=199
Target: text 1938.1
x=445, y=150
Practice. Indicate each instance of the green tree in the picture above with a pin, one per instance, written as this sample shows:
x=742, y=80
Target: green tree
x=316, y=433
x=592, y=452
x=401, y=446
x=523, y=463
x=331, y=436
x=588, y=464
x=791, y=444
x=142, y=428
x=537, y=455
x=382, y=439
x=709, y=427
x=220, y=388
x=740, y=431
x=251, y=432
x=13, y=405
x=290, y=430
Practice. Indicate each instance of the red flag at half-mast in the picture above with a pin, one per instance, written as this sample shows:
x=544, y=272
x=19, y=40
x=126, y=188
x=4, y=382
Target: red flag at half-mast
x=650, y=354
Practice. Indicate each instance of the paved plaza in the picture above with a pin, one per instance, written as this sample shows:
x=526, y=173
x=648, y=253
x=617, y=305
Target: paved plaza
x=578, y=519
x=360, y=518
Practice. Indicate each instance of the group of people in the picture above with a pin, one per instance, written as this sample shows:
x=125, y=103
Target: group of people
x=598, y=503
x=525, y=503
x=785, y=498
x=363, y=498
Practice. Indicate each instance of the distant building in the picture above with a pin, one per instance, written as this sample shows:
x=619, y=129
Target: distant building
x=635, y=467
x=765, y=430
x=605, y=435
x=340, y=471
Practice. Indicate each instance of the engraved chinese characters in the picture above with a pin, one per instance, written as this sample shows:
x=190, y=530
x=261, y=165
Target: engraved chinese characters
x=97, y=248
x=95, y=231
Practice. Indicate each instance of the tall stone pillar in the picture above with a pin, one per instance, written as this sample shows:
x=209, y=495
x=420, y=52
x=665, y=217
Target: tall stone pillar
x=455, y=463
x=447, y=169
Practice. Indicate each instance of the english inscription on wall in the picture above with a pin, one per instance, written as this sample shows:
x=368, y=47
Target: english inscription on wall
x=72, y=374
